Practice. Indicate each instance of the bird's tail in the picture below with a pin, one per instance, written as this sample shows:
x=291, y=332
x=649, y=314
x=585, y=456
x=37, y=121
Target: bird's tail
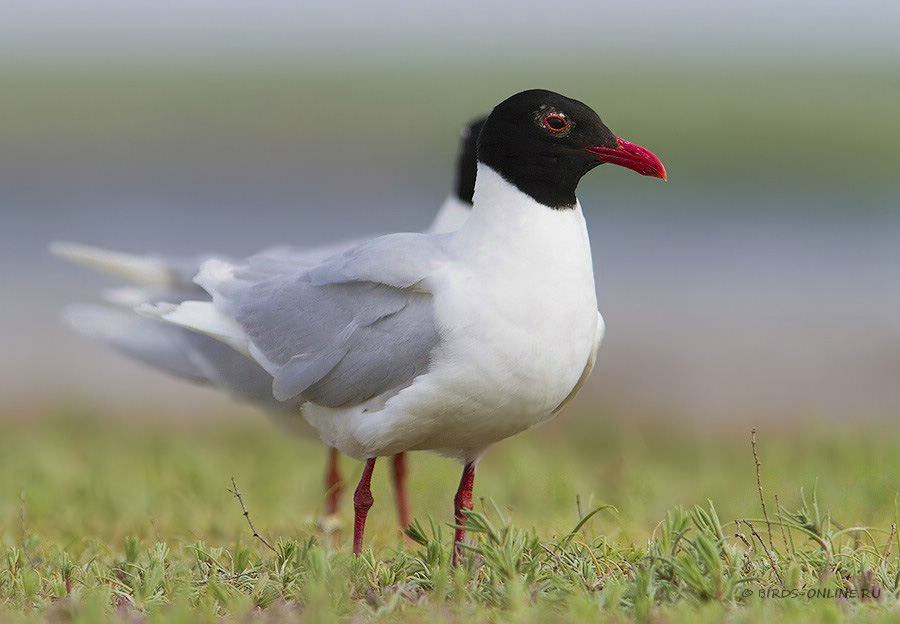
x=148, y=271
x=204, y=316
x=150, y=342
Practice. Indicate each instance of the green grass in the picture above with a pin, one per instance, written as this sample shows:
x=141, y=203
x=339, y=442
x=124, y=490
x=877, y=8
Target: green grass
x=588, y=519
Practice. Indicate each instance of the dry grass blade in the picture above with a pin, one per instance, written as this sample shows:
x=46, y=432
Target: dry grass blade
x=890, y=544
x=788, y=548
x=769, y=555
x=237, y=494
x=759, y=487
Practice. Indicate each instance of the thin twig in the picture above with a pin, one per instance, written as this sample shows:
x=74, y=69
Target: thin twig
x=23, y=516
x=237, y=494
x=766, y=550
x=559, y=562
x=783, y=521
x=787, y=549
x=759, y=487
x=739, y=535
x=887, y=552
x=748, y=565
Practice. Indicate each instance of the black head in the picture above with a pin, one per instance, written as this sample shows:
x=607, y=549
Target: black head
x=543, y=143
x=467, y=161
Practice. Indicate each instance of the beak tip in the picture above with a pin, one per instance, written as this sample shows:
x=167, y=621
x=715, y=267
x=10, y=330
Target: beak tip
x=633, y=157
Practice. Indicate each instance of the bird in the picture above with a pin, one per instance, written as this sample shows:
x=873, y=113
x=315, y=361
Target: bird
x=445, y=342
x=205, y=360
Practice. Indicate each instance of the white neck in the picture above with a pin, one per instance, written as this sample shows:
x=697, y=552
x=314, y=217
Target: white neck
x=451, y=216
x=502, y=213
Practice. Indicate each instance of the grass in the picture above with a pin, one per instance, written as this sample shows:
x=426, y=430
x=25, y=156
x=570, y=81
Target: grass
x=588, y=519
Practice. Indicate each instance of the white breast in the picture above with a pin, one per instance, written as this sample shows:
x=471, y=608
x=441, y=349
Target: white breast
x=518, y=319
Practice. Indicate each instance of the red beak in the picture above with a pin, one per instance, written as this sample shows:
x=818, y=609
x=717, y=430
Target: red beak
x=632, y=157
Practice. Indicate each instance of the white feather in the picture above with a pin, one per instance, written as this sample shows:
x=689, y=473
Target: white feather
x=213, y=273
x=128, y=296
x=453, y=213
x=200, y=316
x=144, y=270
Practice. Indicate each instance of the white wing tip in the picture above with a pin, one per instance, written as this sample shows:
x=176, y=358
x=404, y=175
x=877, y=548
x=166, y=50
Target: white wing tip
x=127, y=296
x=133, y=267
x=213, y=273
x=156, y=310
x=73, y=252
x=201, y=317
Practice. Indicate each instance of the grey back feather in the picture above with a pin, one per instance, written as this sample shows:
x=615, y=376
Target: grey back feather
x=352, y=328
x=231, y=370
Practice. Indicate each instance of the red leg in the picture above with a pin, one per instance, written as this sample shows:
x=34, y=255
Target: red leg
x=399, y=477
x=362, y=500
x=334, y=485
x=462, y=501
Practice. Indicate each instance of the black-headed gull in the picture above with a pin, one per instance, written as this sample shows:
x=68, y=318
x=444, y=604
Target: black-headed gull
x=200, y=358
x=444, y=342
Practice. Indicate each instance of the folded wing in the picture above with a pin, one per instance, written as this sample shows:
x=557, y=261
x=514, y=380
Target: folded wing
x=355, y=327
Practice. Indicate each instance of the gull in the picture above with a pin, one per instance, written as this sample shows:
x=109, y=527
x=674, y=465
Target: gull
x=444, y=342
x=200, y=358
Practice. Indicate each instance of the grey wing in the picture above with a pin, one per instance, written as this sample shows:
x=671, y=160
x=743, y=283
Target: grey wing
x=335, y=344
x=290, y=256
x=176, y=351
x=142, y=339
x=230, y=370
x=354, y=327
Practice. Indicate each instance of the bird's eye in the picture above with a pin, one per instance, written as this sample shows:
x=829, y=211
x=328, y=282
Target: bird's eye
x=556, y=123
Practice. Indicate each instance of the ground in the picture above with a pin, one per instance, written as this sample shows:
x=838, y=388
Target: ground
x=595, y=517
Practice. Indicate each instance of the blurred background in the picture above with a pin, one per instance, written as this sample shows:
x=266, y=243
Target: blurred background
x=761, y=283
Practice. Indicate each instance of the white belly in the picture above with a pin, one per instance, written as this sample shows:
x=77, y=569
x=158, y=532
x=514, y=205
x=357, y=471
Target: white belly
x=519, y=359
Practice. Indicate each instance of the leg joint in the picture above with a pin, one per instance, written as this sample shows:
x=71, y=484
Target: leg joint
x=363, y=498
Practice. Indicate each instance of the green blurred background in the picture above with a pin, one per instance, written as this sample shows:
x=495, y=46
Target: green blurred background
x=760, y=284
